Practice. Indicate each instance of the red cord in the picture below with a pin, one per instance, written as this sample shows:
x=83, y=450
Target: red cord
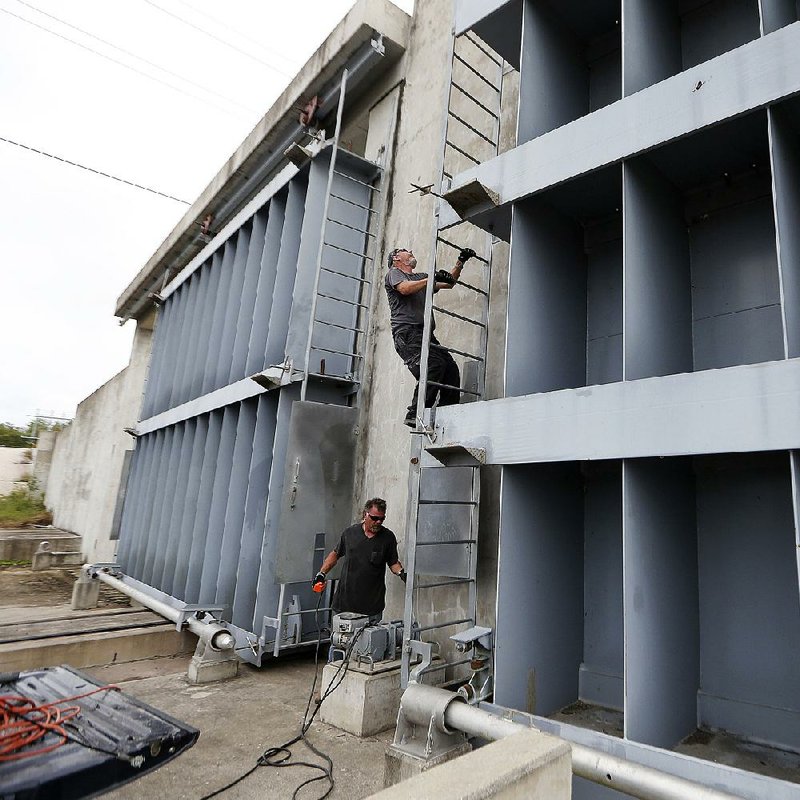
x=23, y=723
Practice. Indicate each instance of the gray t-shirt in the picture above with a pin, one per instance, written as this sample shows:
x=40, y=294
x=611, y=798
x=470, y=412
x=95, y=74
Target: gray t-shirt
x=406, y=309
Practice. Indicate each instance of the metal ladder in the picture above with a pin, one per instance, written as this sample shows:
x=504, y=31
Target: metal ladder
x=444, y=482
x=361, y=302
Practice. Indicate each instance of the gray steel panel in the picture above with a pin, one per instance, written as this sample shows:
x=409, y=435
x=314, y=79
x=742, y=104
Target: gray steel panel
x=175, y=395
x=204, y=498
x=539, y=638
x=728, y=410
x=604, y=314
x=132, y=510
x=554, y=81
x=206, y=312
x=446, y=483
x=133, y=520
x=786, y=185
x=651, y=43
x=156, y=541
x=749, y=620
x=266, y=284
x=497, y=22
x=160, y=336
x=180, y=569
x=306, y=261
x=153, y=500
x=217, y=319
x=546, y=335
x=233, y=311
x=230, y=546
x=176, y=312
x=750, y=77
x=602, y=668
x=776, y=14
x=746, y=337
x=605, y=76
x=219, y=504
x=716, y=27
x=286, y=269
x=164, y=576
x=604, y=360
x=661, y=602
x=449, y=524
x=317, y=485
x=247, y=299
x=255, y=510
x=267, y=590
x=189, y=368
x=795, y=464
x=657, y=332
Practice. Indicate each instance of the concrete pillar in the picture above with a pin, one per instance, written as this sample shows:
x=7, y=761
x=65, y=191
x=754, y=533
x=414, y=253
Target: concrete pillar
x=85, y=592
x=208, y=665
x=530, y=764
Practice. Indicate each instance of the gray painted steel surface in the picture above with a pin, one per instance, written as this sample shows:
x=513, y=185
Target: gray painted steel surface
x=211, y=518
x=650, y=518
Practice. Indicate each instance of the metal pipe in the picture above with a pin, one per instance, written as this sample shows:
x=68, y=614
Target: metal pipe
x=218, y=637
x=450, y=713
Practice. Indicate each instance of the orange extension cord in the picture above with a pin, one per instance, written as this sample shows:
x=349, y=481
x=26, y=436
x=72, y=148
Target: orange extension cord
x=23, y=723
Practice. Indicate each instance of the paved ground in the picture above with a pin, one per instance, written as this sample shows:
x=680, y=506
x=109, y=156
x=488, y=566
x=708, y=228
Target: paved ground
x=238, y=720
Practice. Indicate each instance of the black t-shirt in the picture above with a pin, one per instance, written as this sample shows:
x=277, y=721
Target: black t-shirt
x=362, y=587
x=406, y=309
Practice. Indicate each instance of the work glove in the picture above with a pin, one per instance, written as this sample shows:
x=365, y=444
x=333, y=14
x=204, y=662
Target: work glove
x=318, y=584
x=443, y=276
x=402, y=575
x=466, y=254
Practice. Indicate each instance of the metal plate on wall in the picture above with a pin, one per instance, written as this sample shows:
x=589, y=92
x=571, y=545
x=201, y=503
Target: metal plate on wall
x=317, y=487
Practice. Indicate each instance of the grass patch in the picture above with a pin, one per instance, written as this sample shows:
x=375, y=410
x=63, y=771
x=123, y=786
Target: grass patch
x=23, y=507
x=10, y=562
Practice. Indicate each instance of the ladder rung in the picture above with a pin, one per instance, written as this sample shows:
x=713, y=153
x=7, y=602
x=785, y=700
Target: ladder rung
x=457, y=388
x=474, y=130
x=472, y=69
x=472, y=288
x=458, y=352
x=458, y=247
x=475, y=100
x=446, y=624
x=353, y=203
x=455, y=582
x=451, y=541
x=356, y=180
x=341, y=300
x=463, y=152
x=446, y=174
x=337, y=325
x=458, y=316
x=482, y=48
x=351, y=227
x=336, y=378
x=345, y=250
x=448, y=503
x=337, y=352
x=345, y=275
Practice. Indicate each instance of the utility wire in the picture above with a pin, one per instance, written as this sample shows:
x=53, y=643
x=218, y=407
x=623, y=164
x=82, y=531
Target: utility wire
x=292, y=61
x=121, y=63
x=134, y=55
x=95, y=171
x=217, y=38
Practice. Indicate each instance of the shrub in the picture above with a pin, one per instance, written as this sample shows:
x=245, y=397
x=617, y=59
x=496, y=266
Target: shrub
x=23, y=507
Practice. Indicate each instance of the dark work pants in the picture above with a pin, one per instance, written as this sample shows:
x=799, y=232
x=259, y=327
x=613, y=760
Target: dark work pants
x=441, y=367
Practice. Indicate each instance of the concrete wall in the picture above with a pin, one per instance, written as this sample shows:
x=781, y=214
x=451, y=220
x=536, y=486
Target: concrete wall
x=88, y=455
x=15, y=465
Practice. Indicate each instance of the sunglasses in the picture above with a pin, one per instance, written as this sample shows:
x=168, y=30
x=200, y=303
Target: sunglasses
x=376, y=517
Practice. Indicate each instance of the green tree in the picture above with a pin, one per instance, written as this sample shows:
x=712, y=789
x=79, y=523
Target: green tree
x=12, y=436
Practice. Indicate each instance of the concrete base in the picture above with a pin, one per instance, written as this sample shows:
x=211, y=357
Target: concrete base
x=47, y=558
x=526, y=765
x=85, y=593
x=363, y=704
x=208, y=665
x=401, y=765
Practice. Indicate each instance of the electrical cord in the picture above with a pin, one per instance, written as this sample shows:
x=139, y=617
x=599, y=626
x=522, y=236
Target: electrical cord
x=281, y=755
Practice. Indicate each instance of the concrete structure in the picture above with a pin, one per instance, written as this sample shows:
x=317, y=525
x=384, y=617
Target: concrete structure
x=90, y=456
x=15, y=466
x=526, y=765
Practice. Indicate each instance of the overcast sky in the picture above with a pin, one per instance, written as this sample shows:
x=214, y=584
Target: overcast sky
x=72, y=240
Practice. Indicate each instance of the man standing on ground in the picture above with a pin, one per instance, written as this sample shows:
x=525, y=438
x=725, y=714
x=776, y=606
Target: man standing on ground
x=368, y=548
x=405, y=290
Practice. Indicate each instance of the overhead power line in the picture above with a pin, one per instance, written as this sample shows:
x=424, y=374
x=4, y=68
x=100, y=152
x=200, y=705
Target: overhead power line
x=217, y=38
x=140, y=58
x=122, y=63
x=94, y=171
